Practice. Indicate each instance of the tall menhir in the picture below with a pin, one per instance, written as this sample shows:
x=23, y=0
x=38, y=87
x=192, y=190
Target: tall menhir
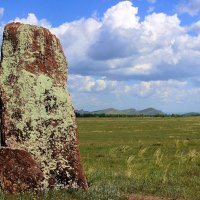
x=38, y=127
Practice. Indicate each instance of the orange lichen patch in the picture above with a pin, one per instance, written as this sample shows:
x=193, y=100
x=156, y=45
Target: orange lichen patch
x=19, y=171
x=11, y=34
x=35, y=44
x=45, y=61
x=13, y=25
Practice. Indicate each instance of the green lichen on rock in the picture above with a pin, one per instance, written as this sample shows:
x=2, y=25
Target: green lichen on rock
x=38, y=115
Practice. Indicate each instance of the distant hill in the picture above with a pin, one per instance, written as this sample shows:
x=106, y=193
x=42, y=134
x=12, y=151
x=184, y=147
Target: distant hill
x=191, y=114
x=150, y=111
x=110, y=111
x=113, y=111
x=131, y=111
x=82, y=112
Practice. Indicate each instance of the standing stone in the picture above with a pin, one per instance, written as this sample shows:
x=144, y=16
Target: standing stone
x=37, y=116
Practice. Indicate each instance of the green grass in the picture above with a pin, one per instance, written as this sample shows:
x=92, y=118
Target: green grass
x=157, y=156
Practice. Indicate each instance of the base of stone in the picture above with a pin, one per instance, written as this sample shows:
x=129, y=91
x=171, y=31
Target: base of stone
x=18, y=171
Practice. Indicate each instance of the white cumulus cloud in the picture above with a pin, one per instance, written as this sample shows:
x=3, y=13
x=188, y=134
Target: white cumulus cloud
x=32, y=19
x=122, y=15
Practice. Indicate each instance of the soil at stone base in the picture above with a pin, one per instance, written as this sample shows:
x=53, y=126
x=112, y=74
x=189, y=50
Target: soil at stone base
x=141, y=197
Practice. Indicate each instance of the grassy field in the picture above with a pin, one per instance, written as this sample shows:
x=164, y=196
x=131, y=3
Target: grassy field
x=121, y=156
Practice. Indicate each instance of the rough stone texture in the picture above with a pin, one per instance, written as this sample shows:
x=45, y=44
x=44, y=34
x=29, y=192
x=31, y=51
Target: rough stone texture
x=37, y=113
x=18, y=171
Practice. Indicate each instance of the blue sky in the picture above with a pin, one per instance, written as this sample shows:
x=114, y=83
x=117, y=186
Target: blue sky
x=123, y=54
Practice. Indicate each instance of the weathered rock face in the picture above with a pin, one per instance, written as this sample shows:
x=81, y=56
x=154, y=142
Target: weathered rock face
x=36, y=110
x=19, y=171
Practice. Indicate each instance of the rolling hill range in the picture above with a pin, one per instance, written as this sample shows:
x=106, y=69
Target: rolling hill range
x=131, y=111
